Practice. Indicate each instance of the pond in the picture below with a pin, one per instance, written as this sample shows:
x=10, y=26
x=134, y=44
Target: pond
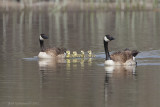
x=27, y=81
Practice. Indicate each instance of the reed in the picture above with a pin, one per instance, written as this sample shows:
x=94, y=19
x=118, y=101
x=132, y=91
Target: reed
x=155, y=3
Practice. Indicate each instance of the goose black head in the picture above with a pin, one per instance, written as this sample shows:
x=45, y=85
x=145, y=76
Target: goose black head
x=43, y=36
x=108, y=38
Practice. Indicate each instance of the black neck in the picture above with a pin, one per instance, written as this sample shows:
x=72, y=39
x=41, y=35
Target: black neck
x=41, y=45
x=106, y=50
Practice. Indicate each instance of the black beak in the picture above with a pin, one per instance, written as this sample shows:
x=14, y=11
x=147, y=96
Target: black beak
x=112, y=38
x=44, y=36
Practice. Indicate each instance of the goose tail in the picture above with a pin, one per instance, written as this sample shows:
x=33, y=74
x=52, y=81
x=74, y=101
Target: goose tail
x=133, y=52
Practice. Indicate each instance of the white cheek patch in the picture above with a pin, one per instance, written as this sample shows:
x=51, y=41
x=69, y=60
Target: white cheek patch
x=134, y=58
x=106, y=39
x=40, y=38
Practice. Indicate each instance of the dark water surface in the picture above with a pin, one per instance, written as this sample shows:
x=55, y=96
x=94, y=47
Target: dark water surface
x=27, y=81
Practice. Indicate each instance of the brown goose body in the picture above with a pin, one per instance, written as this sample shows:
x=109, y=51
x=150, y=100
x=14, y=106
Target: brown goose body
x=56, y=52
x=126, y=57
x=123, y=56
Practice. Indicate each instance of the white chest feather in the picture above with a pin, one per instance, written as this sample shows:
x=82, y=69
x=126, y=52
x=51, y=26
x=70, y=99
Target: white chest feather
x=109, y=62
x=44, y=55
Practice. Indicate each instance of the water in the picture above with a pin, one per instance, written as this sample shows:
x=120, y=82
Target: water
x=27, y=81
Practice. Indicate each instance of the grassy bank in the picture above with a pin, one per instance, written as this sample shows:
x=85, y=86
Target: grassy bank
x=78, y=6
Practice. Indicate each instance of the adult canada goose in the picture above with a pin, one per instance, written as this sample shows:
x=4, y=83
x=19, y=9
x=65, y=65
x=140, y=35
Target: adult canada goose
x=126, y=57
x=50, y=52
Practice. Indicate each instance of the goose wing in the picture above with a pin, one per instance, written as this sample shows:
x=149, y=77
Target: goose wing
x=133, y=52
x=123, y=56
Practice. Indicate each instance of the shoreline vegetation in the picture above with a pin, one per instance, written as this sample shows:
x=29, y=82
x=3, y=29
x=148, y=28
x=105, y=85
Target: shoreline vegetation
x=75, y=5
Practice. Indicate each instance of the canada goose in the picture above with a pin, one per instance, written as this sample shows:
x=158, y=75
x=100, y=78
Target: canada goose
x=126, y=57
x=90, y=55
x=50, y=52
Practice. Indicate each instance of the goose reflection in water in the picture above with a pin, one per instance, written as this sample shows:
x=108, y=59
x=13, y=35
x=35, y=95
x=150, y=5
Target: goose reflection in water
x=116, y=79
x=120, y=70
x=46, y=64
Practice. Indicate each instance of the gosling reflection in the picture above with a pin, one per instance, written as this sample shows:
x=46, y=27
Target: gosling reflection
x=119, y=72
x=90, y=61
x=90, y=54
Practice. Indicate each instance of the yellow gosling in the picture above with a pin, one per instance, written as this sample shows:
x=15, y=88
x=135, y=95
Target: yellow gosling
x=82, y=63
x=75, y=55
x=82, y=54
x=90, y=55
x=68, y=54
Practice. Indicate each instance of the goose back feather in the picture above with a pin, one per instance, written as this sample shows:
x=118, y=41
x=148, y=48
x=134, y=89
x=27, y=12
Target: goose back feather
x=123, y=56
